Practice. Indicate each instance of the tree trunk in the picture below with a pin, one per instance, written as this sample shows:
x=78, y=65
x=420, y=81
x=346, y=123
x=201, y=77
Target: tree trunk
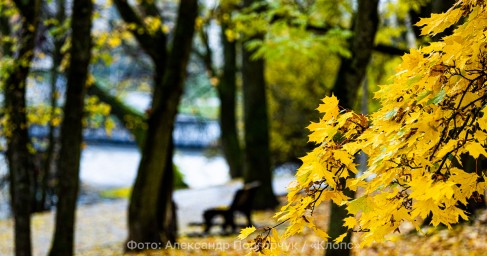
x=72, y=128
x=228, y=121
x=350, y=76
x=352, y=71
x=49, y=163
x=5, y=31
x=166, y=207
x=18, y=156
x=256, y=153
x=20, y=166
x=144, y=223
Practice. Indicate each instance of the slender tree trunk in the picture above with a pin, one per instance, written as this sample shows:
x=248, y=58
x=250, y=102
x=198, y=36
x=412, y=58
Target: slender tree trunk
x=52, y=143
x=350, y=76
x=18, y=156
x=72, y=128
x=228, y=121
x=50, y=152
x=6, y=53
x=144, y=223
x=20, y=166
x=257, y=165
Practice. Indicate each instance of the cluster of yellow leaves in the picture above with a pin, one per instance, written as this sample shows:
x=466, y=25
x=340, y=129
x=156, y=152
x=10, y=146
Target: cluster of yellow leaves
x=153, y=24
x=432, y=117
x=97, y=114
x=429, y=119
x=323, y=175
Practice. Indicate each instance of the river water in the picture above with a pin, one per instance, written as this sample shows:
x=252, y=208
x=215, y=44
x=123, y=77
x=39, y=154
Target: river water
x=112, y=166
x=116, y=166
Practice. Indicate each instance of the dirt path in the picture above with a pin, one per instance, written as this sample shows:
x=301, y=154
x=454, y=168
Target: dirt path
x=101, y=228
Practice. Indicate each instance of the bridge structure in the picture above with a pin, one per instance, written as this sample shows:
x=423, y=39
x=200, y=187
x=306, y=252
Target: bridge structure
x=189, y=132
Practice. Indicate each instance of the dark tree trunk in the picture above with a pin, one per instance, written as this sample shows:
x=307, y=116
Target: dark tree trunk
x=18, y=156
x=4, y=32
x=228, y=121
x=352, y=71
x=135, y=121
x=72, y=127
x=166, y=207
x=144, y=223
x=350, y=76
x=20, y=166
x=49, y=163
x=226, y=89
x=256, y=153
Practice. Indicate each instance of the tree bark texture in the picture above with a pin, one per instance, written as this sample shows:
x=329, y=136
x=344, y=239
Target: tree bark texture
x=228, y=121
x=352, y=70
x=350, y=76
x=257, y=165
x=52, y=148
x=154, y=177
x=226, y=89
x=72, y=127
x=18, y=156
x=166, y=207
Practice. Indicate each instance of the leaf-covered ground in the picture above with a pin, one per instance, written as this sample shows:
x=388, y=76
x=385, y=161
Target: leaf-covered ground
x=101, y=230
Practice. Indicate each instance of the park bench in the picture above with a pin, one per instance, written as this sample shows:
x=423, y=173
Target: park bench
x=242, y=202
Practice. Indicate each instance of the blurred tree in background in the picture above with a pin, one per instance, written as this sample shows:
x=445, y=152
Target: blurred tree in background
x=71, y=137
x=18, y=52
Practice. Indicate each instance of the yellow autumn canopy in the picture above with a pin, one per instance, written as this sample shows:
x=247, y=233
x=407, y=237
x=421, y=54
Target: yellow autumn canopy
x=432, y=114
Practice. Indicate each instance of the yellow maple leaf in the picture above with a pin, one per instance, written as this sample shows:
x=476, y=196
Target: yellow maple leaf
x=329, y=107
x=360, y=204
x=340, y=238
x=343, y=156
x=437, y=23
x=321, y=234
x=475, y=149
x=244, y=233
x=350, y=222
